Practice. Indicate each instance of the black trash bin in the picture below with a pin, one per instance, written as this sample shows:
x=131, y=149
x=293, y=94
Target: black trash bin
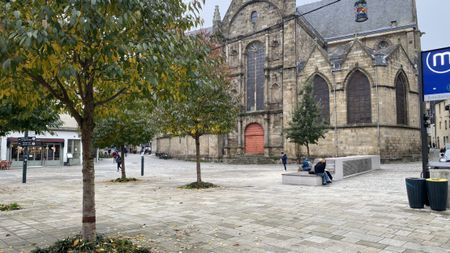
x=415, y=187
x=437, y=193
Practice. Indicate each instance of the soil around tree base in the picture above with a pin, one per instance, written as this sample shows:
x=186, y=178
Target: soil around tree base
x=201, y=185
x=102, y=244
x=124, y=180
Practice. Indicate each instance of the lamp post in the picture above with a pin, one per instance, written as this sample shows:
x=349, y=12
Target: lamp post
x=142, y=160
x=25, y=160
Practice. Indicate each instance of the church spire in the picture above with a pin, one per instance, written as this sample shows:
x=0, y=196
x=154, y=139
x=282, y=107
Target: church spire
x=216, y=20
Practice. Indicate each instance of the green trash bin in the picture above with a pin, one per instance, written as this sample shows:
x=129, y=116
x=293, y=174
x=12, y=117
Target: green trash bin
x=437, y=193
x=415, y=188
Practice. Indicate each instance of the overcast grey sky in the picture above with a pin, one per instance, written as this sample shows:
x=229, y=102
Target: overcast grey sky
x=434, y=19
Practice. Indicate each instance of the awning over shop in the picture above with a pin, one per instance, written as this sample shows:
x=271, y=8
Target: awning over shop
x=42, y=140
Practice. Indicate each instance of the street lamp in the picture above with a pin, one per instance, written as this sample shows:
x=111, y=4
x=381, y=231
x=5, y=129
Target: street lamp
x=361, y=10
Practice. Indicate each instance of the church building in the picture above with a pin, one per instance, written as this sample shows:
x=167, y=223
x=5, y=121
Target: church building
x=363, y=73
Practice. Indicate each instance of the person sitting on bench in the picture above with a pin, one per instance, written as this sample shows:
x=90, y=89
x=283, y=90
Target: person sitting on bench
x=319, y=169
x=306, y=166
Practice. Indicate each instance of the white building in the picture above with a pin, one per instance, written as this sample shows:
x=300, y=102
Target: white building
x=440, y=130
x=61, y=147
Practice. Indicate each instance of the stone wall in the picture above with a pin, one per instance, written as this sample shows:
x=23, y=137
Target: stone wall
x=211, y=147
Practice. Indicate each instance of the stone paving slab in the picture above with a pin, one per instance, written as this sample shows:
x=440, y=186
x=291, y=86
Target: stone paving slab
x=251, y=211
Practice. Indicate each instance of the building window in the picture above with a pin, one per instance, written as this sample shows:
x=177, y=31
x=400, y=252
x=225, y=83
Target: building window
x=400, y=96
x=440, y=125
x=74, y=148
x=383, y=44
x=358, y=99
x=255, y=76
x=254, y=17
x=445, y=125
x=322, y=97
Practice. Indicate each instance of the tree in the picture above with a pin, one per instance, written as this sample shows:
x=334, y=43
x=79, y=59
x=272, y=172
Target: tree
x=203, y=103
x=129, y=124
x=85, y=54
x=306, y=126
x=19, y=117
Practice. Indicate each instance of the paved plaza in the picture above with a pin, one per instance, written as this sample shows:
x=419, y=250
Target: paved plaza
x=251, y=211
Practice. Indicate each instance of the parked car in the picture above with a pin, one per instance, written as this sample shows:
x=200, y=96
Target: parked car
x=445, y=157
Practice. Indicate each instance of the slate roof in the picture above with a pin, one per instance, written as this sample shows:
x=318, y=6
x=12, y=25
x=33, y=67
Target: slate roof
x=337, y=21
x=207, y=31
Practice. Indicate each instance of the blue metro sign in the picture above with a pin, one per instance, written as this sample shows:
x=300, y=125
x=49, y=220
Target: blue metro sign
x=436, y=74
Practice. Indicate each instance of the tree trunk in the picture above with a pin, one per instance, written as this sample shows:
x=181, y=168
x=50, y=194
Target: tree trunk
x=122, y=150
x=307, y=150
x=197, y=156
x=298, y=155
x=87, y=125
x=88, y=230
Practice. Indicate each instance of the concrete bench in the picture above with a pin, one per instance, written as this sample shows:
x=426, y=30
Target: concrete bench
x=339, y=168
x=343, y=167
x=301, y=178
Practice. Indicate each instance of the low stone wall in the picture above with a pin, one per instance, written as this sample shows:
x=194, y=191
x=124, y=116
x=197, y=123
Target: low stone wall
x=301, y=178
x=343, y=167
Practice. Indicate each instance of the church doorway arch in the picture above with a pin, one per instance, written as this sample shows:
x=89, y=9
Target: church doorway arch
x=254, y=139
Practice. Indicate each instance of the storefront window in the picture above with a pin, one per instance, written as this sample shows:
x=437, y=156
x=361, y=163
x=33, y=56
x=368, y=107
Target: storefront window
x=74, y=148
x=53, y=151
x=16, y=153
x=35, y=153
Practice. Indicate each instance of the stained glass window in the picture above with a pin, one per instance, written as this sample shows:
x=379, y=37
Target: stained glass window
x=322, y=96
x=255, y=77
x=358, y=99
x=400, y=97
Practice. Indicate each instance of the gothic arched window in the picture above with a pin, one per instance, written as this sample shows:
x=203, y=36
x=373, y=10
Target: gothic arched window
x=400, y=99
x=254, y=17
x=322, y=96
x=358, y=99
x=255, y=76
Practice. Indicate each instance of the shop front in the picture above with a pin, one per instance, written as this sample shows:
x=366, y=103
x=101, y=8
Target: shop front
x=47, y=152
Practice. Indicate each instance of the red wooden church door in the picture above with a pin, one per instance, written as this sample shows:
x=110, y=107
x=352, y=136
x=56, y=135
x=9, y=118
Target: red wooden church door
x=254, y=139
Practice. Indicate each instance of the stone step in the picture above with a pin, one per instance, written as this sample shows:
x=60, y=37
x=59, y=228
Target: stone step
x=251, y=160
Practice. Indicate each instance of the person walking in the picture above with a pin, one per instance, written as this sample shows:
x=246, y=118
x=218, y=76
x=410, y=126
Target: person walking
x=118, y=160
x=284, y=159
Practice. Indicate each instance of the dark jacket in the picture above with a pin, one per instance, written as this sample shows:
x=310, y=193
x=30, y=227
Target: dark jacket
x=284, y=158
x=118, y=159
x=320, y=167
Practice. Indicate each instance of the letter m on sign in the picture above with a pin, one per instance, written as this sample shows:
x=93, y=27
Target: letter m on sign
x=442, y=57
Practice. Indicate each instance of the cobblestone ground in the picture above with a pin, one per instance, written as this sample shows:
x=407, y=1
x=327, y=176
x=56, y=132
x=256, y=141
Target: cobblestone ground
x=251, y=211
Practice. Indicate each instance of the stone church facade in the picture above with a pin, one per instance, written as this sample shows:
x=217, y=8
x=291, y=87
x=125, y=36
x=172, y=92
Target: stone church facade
x=364, y=75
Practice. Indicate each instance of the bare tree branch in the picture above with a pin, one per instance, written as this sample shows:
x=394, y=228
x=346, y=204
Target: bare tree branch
x=100, y=103
x=54, y=92
x=80, y=87
x=69, y=102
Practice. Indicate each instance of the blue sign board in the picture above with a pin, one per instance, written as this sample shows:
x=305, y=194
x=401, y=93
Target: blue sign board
x=436, y=74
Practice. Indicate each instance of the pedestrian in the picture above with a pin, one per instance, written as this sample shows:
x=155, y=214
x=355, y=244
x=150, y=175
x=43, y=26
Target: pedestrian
x=284, y=160
x=306, y=166
x=118, y=160
x=319, y=170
